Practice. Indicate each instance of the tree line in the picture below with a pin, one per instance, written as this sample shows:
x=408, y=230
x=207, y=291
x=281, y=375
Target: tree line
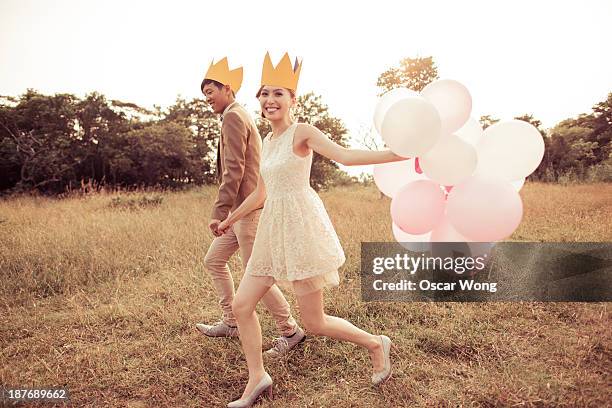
x=56, y=143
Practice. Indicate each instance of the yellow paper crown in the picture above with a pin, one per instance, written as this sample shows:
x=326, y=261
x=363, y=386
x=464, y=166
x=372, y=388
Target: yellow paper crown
x=284, y=75
x=220, y=72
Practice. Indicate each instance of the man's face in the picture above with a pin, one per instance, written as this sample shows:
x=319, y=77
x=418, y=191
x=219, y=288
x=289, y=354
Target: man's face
x=218, y=98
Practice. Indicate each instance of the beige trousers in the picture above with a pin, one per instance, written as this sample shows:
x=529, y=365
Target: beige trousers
x=241, y=236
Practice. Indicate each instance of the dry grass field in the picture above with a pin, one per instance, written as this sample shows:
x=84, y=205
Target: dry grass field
x=102, y=299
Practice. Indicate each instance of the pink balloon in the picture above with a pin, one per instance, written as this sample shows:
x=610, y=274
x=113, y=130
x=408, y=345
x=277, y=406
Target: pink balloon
x=447, y=242
x=414, y=243
x=445, y=232
x=390, y=177
x=418, y=207
x=484, y=210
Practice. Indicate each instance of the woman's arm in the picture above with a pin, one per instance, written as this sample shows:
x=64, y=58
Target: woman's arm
x=314, y=139
x=253, y=201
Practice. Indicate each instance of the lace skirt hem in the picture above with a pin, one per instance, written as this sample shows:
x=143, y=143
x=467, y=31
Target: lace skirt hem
x=304, y=286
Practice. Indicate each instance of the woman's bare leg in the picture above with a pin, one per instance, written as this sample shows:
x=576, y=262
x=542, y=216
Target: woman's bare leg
x=251, y=290
x=317, y=322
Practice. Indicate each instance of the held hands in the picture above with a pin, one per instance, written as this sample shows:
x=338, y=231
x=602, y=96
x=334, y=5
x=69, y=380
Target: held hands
x=214, y=227
x=223, y=226
x=218, y=227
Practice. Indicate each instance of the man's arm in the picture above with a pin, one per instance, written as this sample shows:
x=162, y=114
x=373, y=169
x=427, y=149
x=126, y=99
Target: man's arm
x=234, y=133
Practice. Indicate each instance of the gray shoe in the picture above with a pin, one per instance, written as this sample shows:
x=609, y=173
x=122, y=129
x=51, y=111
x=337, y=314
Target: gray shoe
x=264, y=386
x=282, y=345
x=385, y=374
x=218, y=329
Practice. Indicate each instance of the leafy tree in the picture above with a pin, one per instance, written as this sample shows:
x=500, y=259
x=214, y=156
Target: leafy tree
x=579, y=148
x=528, y=117
x=98, y=130
x=412, y=73
x=159, y=154
x=38, y=144
x=487, y=120
x=600, y=123
x=570, y=150
x=197, y=116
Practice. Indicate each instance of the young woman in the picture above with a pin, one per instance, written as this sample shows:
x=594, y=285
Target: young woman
x=295, y=239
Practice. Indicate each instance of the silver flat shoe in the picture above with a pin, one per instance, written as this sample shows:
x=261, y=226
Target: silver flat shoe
x=382, y=376
x=218, y=329
x=264, y=386
x=282, y=345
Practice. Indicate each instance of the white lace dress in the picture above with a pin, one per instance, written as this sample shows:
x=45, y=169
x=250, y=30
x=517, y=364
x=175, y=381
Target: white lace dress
x=295, y=239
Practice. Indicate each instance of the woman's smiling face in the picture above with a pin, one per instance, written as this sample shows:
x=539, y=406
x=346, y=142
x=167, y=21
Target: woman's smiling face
x=275, y=102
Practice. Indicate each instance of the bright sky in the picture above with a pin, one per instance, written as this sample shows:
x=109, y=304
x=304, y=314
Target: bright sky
x=548, y=58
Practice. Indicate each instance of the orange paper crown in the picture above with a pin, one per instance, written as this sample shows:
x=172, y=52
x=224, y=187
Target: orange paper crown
x=283, y=75
x=220, y=72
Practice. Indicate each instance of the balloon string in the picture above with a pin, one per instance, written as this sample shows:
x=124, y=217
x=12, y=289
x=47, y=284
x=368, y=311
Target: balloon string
x=417, y=166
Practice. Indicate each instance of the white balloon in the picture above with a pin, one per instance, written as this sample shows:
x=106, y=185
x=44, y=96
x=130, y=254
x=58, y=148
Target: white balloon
x=390, y=177
x=414, y=243
x=471, y=132
x=452, y=100
x=411, y=126
x=450, y=162
x=385, y=103
x=509, y=150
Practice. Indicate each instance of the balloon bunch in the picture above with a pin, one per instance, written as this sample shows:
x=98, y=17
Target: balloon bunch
x=463, y=183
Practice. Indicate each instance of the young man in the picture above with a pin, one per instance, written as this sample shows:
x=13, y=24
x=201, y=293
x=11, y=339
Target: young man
x=238, y=157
